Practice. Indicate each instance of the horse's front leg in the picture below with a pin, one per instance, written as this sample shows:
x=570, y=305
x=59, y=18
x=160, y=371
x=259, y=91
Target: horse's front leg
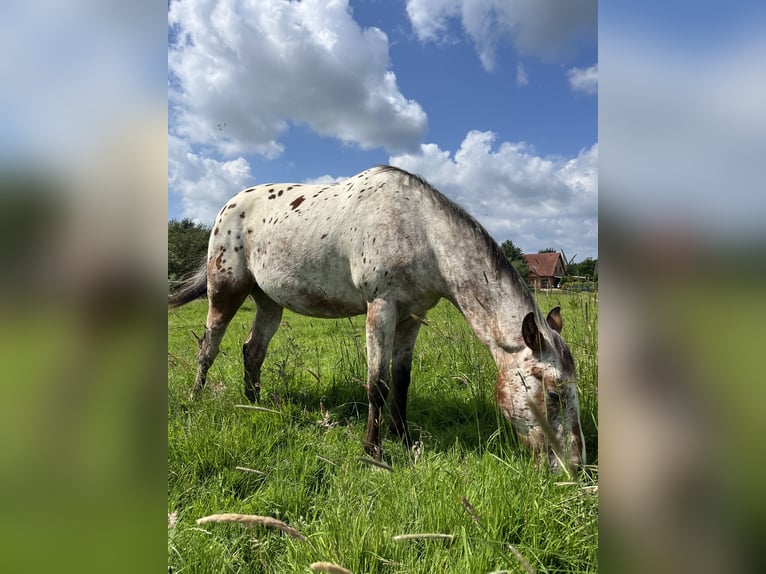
x=381, y=326
x=404, y=344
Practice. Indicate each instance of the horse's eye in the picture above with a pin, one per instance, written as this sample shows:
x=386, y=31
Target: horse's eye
x=553, y=397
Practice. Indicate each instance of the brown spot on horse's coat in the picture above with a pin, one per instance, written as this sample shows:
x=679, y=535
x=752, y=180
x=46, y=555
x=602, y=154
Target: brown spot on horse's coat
x=216, y=231
x=242, y=215
x=231, y=206
x=297, y=201
x=280, y=192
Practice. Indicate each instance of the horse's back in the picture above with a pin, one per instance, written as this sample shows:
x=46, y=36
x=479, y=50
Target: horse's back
x=326, y=250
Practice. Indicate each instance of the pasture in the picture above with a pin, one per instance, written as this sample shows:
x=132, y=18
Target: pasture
x=470, y=479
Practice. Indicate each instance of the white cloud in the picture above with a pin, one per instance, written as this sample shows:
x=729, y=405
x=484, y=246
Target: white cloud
x=242, y=72
x=324, y=180
x=203, y=183
x=545, y=28
x=584, y=79
x=521, y=75
x=535, y=201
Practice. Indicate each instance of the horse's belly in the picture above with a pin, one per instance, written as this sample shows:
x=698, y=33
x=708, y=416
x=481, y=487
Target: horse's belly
x=319, y=289
x=314, y=302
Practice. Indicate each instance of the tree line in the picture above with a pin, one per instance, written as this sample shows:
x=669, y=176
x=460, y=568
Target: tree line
x=187, y=248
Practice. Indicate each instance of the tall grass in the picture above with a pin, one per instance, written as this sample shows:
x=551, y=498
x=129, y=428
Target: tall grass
x=307, y=457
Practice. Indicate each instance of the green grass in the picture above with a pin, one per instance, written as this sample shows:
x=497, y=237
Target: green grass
x=349, y=511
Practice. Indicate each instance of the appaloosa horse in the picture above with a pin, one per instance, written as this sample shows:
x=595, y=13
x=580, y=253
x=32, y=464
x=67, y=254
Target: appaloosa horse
x=387, y=244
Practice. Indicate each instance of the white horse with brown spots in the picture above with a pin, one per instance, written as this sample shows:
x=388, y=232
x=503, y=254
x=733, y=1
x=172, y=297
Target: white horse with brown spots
x=387, y=244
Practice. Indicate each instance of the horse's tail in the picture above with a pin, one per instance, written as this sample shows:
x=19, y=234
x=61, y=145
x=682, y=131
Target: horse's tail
x=191, y=288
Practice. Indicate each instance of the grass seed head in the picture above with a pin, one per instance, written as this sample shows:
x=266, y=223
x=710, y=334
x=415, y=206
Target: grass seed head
x=329, y=567
x=251, y=519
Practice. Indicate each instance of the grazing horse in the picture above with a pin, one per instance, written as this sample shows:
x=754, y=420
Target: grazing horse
x=386, y=244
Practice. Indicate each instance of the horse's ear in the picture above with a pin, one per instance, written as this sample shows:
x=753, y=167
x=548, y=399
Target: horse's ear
x=554, y=319
x=531, y=333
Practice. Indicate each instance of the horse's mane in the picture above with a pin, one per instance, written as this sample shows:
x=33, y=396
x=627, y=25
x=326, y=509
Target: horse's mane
x=497, y=258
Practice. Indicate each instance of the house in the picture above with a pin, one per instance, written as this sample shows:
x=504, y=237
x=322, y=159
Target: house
x=545, y=269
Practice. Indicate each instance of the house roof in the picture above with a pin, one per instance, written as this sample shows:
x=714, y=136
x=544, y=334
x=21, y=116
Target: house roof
x=544, y=264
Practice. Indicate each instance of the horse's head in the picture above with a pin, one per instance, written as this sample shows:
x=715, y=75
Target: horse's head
x=537, y=391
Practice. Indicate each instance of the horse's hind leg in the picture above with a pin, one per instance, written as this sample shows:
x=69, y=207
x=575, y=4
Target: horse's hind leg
x=267, y=319
x=224, y=300
x=404, y=344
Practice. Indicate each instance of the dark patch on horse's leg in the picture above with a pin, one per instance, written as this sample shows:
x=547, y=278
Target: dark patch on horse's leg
x=203, y=364
x=377, y=391
x=267, y=320
x=381, y=324
x=208, y=351
x=404, y=344
x=224, y=299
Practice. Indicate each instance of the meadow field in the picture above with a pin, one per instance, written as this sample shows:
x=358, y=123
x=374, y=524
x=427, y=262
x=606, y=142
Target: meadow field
x=301, y=461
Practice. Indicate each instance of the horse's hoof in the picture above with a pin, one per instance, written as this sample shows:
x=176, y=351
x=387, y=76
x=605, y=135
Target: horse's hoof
x=373, y=450
x=253, y=395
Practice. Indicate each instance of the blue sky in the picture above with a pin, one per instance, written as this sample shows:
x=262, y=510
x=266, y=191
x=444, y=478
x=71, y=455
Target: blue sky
x=494, y=102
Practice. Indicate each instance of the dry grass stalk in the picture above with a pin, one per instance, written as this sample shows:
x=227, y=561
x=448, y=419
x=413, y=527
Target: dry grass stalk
x=260, y=409
x=593, y=489
x=245, y=469
x=172, y=519
x=471, y=511
x=377, y=463
x=426, y=536
x=523, y=561
x=250, y=519
x=175, y=359
x=329, y=567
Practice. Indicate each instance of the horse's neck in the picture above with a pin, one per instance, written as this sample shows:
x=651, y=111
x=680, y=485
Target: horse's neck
x=493, y=301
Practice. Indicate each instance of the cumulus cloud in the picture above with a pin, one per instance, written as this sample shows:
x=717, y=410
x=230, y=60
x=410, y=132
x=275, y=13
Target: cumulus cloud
x=242, y=72
x=545, y=28
x=584, y=79
x=325, y=180
x=537, y=202
x=204, y=183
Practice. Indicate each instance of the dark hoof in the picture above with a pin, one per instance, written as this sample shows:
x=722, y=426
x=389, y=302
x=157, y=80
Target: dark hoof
x=373, y=450
x=195, y=394
x=253, y=395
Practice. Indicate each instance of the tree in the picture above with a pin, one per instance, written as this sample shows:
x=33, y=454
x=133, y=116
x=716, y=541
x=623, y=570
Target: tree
x=511, y=251
x=516, y=257
x=548, y=250
x=587, y=268
x=187, y=247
